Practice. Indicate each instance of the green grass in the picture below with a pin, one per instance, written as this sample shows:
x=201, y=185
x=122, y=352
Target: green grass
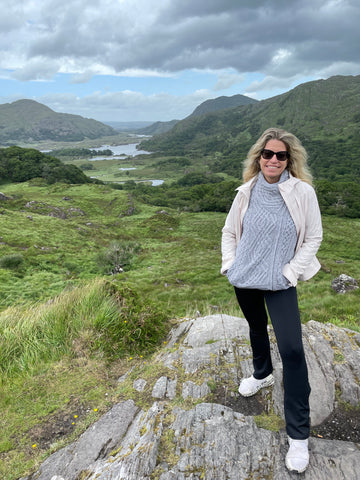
x=58, y=311
x=178, y=260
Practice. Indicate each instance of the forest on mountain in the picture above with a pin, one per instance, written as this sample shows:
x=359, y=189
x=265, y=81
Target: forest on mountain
x=21, y=164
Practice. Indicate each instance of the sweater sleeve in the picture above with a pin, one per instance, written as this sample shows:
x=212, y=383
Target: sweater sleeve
x=228, y=239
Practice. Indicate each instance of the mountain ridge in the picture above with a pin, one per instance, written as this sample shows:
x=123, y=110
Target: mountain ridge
x=208, y=106
x=28, y=121
x=222, y=103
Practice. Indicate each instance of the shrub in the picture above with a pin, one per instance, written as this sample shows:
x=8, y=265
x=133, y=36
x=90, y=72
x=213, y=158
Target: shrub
x=12, y=261
x=135, y=327
x=118, y=257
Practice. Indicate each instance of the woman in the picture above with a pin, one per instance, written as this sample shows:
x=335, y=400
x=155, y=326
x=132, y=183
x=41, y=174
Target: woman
x=269, y=242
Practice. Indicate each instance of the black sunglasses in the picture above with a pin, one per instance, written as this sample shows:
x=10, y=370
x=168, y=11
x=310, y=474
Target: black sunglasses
x=268, y=154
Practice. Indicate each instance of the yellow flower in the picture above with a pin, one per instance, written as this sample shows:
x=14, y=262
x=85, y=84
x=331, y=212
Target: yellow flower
x=73, y=423
x=75, y=416
x=34, y=445
x=95, y=409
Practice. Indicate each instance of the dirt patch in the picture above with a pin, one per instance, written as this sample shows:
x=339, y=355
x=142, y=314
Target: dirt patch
x=57, y=426
x=249, y=406
x=342, y=424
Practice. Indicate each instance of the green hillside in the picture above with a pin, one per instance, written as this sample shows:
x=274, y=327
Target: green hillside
x=324, y=114
x=26, y=121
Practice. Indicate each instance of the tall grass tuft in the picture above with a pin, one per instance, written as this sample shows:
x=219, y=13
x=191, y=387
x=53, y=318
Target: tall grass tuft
x=119, y=323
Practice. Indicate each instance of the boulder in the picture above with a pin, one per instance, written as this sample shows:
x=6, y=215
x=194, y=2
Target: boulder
x=196, y=426
x=3, y=197
x=343, y=283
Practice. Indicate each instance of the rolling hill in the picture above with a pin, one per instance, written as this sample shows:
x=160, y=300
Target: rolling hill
x=324, y=114
x=27, y=121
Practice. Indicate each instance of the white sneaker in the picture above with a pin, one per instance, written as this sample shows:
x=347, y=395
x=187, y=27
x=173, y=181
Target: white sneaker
x=297, y=458
x=250, y=386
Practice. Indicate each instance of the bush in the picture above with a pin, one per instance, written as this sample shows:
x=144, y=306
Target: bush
x=118, y=257
x=136, y=326
x=11, y=262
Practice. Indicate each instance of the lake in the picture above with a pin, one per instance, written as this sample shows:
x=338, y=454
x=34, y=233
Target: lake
x=120, y=151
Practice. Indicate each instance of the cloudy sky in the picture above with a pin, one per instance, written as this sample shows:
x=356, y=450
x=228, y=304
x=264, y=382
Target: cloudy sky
x=132, y=60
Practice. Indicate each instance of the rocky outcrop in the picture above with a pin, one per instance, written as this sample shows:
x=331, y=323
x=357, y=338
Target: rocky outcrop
x=51, y=211
x=188, y=422
x=343, y=283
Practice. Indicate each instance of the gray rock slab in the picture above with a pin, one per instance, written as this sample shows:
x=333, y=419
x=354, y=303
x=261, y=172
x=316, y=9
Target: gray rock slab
x=212, y=441
x=96, y=442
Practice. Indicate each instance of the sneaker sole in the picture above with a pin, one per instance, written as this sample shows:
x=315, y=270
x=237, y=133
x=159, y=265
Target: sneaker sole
x=294, y=469
x=268, y=383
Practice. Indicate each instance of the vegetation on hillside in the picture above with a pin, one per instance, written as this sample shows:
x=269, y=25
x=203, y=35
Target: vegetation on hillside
x=68, y=332
x=22, y=164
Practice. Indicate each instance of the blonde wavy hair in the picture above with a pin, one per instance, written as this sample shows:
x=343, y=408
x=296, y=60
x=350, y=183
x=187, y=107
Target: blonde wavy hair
x=297, y=162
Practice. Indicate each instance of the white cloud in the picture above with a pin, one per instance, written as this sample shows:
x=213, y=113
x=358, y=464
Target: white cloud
x=226, y=80
x=40, y=69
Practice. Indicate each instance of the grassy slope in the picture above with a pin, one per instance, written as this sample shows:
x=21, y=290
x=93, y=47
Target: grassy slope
x=184, y=255
x=178, y=268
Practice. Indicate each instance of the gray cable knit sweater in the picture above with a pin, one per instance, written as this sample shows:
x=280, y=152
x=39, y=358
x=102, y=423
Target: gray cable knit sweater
x=268, y=240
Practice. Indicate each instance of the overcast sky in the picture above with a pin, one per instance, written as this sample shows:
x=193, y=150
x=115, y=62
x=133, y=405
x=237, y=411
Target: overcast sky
x=130, y=60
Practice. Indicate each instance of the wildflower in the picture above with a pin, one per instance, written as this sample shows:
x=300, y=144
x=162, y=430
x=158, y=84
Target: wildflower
x=95, y=409
x=73, y=423
x=34, y=445
x=75, y=416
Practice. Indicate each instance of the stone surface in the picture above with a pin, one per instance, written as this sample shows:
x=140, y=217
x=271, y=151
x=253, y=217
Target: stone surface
x=343, y=283
x=198, y=427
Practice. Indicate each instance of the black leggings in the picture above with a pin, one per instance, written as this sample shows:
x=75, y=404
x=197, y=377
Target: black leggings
x=284, y=313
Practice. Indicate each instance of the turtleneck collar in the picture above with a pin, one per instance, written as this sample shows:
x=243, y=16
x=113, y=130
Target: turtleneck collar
x=284, y=176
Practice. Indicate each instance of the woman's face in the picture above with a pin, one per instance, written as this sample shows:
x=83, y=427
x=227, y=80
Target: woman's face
x=273, y=168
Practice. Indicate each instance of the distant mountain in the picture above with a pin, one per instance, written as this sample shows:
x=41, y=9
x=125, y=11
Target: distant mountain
x=26, y=121
x=157, y=128
x=221, y=103
x=131, y=127
x=213, y=105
